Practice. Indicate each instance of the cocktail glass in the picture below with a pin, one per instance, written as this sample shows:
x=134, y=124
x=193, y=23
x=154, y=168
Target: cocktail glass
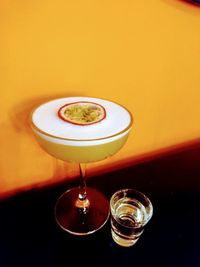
x=81, y=210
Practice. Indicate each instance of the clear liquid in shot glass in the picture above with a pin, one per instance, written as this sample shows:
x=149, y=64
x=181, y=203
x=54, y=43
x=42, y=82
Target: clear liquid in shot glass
x=127, y=221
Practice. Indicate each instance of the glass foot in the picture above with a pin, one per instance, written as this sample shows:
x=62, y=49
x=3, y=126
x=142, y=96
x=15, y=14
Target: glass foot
x=73, y=220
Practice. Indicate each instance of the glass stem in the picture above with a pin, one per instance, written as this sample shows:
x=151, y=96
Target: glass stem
x=82, y=193
x=82, y=203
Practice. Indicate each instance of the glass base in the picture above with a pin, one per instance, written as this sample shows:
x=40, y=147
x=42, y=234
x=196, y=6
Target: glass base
x=73, y=220
x=123, y=241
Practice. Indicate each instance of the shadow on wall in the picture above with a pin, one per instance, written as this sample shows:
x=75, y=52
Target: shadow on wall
x=175, y=149
x=192, y=6
x=175, y=169
x=24, y=164
x=194, y=2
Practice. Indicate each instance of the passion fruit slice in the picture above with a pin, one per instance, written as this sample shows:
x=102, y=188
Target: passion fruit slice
x=82, y=113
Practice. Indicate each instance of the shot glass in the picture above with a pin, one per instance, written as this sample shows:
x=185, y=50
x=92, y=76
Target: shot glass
x=131, y=210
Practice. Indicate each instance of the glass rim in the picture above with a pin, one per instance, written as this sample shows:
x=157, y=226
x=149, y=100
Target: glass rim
x=76, y=139
x=124, y=190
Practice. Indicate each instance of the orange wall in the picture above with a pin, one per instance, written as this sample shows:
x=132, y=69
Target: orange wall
x=143, y=54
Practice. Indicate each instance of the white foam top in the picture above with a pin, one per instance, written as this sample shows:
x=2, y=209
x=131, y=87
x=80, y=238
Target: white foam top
x=46, y=119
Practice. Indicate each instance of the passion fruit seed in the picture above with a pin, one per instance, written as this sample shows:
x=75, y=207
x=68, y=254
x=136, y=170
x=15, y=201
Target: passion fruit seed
x=82, y=113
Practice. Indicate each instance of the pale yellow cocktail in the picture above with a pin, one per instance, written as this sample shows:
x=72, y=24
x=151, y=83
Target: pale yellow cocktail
x=81, y=143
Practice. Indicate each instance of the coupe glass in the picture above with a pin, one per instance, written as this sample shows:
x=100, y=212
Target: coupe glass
x=81, y=210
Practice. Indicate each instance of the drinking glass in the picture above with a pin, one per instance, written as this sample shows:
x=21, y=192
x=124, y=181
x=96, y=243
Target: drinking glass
x=81, y=210
x=131, y=210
